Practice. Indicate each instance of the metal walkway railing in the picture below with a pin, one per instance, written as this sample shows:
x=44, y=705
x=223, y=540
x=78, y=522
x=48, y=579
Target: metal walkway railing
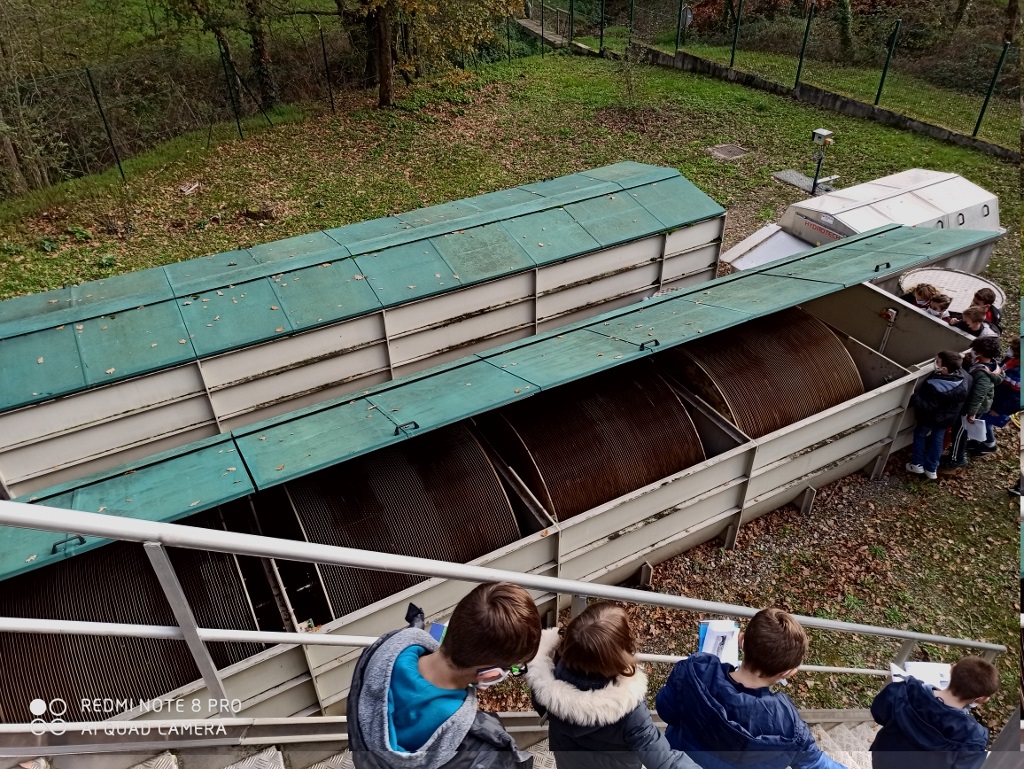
x=156, y=537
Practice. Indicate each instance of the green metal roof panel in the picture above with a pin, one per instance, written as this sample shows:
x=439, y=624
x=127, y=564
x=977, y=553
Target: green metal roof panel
x=676, y=202
x=234, y=317
x=501, y=199
x=888, y=251
x=121, y=292
x=207, y=272
x=550, y=236
x=406, y=272
x=132, y=342
x=165, y=487
x=323, y=294
x=373, y=234
x=482, y=253
x=441, y=213
x=757, y=294
x=450, y=394
x=673, y=321
x=278, y=451
x=553, y=360
x=631, y=174
x=300, y=251
x=571, y=187
x=613, y=219
x=39, y=366
x=33, y=312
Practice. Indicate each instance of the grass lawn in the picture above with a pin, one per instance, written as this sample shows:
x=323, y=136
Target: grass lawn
x=947, y=554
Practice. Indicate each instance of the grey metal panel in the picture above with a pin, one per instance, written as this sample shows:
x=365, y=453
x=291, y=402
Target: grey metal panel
x=265, y=359
x=587, y=294
x=800, y=464
x=478, y=344
x=610, y=261
x=633, y=544
x=693, y=279
x=696, y=235
x=286, y=387
x=438, y=310
x=698, y=260
x=825, y=424
x=454, y=336
x=552, y=322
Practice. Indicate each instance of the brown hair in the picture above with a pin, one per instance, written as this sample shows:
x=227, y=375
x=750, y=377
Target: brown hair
x=496, y=624
x=942, y=300
x=926, y=290
x=951, y=361
x=599, y=642
x=974, y=313
x=1015, y=346
x=774, y=643
x=985, y=296
x=973, y=677
x=986, y=347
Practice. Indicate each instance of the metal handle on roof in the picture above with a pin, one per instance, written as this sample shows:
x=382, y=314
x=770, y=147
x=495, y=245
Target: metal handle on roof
x=959, y=218
x=413, y=425
x=885, y=265
x=72, y=538
x=651, y=342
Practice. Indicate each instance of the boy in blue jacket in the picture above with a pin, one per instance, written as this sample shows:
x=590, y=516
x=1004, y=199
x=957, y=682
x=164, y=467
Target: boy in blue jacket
x=725, y=717
x=925, y=728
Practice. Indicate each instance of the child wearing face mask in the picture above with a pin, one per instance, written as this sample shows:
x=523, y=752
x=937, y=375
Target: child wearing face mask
x=926, y=728
x=413, y=702
x=587, y=682
x=937, y=401
x=920, y=295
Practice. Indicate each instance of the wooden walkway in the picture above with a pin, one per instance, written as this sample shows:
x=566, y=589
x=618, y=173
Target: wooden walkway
x=550, y=38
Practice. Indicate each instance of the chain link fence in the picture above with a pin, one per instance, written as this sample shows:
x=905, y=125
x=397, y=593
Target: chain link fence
x=904, y=60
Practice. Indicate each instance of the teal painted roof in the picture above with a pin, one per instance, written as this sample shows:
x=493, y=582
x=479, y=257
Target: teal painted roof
x=301, y=442
x=200, y=307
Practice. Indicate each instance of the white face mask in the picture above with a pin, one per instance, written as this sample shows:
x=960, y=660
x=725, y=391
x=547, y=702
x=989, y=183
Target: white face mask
x=487, y=677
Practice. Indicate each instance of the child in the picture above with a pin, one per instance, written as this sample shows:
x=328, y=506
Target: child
x=973, y=322
x=938, y=400
x=985, y=298
x=935, y=725
x=1005, y=402
x=413, y=703
x=938, y=307
x=985, y=375
x=920, y=295
x=588, y=683
x=718, y=713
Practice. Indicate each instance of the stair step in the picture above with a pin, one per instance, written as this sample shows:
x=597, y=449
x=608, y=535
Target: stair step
x=163, y=761
x=270, y=758
x=35, y=763
x=543, y=758
x=340, y=761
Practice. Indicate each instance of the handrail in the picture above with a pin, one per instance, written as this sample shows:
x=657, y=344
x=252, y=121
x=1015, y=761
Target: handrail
x=22, y=515
x=171, y=633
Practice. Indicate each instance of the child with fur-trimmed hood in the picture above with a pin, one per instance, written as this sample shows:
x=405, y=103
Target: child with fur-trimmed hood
x=585, y=679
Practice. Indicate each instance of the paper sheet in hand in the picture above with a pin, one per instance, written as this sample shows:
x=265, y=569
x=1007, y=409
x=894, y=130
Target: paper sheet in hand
x=934, y=674
x=721, y=637
x=975, y=432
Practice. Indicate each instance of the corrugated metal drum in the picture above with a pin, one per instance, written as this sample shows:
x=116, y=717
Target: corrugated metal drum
x=437, y=496
x=115, y=584
x=583, y=444
x=767, y=374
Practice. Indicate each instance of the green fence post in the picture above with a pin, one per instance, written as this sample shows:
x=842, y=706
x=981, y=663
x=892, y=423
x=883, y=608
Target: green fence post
x=600, y=45
x=736, y=34
x=508, y=37
x=542, y=29
x=888, y=57
x=572, y=18
x=803, y=48
x=679, y=26
x=991, y=88
x=106, y=125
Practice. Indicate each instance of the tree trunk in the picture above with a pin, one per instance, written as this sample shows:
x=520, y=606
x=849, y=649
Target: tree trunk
x=256, y=28
x=370, y=70
x=958, y=15
x=1012, y=20
x=385, y=60
x=11, y=167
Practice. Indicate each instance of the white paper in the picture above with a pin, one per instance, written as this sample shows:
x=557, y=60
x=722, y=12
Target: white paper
x=934, y=674
x=975, y=432
x=723, y=640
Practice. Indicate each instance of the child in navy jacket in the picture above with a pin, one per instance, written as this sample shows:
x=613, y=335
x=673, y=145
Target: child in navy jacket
x=924, y=728
x=725, y=717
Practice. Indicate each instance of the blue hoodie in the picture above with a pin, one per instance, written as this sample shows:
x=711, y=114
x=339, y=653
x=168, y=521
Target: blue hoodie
x=920, y=731
x=722, y=724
